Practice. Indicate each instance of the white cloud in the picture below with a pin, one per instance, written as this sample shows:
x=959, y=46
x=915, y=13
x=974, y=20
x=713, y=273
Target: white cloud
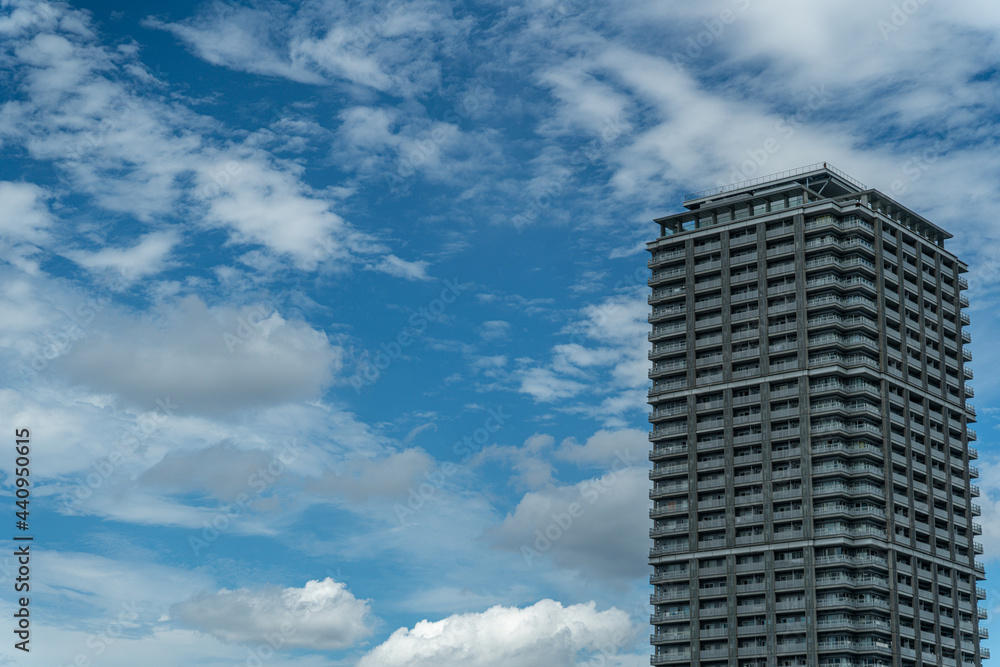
x=545, y=386
x=148, y=256
x=494, y=330
x=322, y=615
x=593, y=106
x=240, y=37
x=546, y=634
x=604, y=446
x=592, y=527
x=329, y=56
x=223, y=470
x=529, y=461
x=267, y=204
x=112, y=611
x=388, y=48
x=608, y=358
x=206, y=360
x=181, y=470
x=156, y=647
x=393, y=146
x=989, y=502
x=24, y=215
x=25, y=222
x=101, y=583
x=417, y=430
x=386, y=477
x=133, y=151
x=400, y=268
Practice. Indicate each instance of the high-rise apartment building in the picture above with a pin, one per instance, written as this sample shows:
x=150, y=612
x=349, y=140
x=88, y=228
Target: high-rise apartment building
x=812, y=481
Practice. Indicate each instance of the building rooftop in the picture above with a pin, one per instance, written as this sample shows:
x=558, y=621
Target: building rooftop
x=821, y=169
x=792, y=189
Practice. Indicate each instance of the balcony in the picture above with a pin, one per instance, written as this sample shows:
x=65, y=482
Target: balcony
x=707, y=266
x=660, y=472
x=743, y=276
x=674, y=615
x=713, y=543
x=779, y=230
x=665, y=256
x=754, y=629
x=668, y=549
x=742, y=334
x=669, y=430
x=741, y=239
x=781, y=249
x=667, y=490
x=662, y=387
x=667, y=510
x=663, y=637
x=669, y=596
x=756, y=517
x=713, y=483
x=662, y=449
x=712, y=443
x=666, y=274
x=714, y=653
x=669, y=411
x=666, y=311
x=669, y=658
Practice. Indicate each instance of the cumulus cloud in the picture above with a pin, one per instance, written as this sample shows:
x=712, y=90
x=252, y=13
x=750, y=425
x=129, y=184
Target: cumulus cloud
x=322, y=615
x=528, y=461
x=207, y=360
x=546, y=634
x=602, y=447
x=591, y=527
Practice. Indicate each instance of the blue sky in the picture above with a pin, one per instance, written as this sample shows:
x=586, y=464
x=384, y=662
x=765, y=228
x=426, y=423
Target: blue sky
x=323, y=315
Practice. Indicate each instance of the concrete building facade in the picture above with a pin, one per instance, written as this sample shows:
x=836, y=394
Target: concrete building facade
x=813, y=485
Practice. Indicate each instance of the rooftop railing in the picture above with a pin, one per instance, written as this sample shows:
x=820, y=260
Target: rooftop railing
x=775, y=177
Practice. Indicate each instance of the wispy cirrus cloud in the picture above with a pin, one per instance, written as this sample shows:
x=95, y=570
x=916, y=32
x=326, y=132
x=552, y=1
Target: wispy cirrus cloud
x=132, y=150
